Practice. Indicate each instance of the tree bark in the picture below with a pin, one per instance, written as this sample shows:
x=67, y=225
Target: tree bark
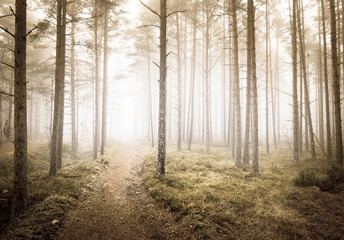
x=336, y=86
x=193, y=75
x=105, y=76
x=160, y=167
x=73, y=87
x=267, y=125
x=327, y=97
x=255, y=142
x=248, y=87
x=20, y=114
x=295, y=97
x=308, y=118
x=237, y=85
x=96, y=100
x=180, y=100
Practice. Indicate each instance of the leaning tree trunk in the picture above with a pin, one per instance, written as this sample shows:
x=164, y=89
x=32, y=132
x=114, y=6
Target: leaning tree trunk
x=160, y=166
x=20, y=114
x=336, y=87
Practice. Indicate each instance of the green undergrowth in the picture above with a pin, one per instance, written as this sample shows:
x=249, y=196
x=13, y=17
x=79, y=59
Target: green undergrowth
x=49, y=198
x=216, y=200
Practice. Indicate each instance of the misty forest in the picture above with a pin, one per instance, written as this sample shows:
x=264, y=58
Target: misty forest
x=179, y=119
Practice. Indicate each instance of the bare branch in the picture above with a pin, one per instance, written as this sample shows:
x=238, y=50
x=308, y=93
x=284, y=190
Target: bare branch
x=31, y=31
x=148, y=25
x=8, y=15
x=149, y=8
x=5, y=93
x=6, y=31
x=156, y=64
x=174, y=12
x=14, y=14
x=8, y=65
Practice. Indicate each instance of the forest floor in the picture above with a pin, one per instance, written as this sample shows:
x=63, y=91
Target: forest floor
x=120, y=208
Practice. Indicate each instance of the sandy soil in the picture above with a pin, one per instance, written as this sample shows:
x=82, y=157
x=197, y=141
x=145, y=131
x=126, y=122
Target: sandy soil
x=120, y=208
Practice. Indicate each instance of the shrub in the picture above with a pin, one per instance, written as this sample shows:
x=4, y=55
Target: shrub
x=306, y=178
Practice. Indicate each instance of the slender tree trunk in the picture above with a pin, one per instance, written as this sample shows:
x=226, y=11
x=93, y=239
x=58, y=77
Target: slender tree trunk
x=321, y=90
x=20, y=114
x=327, y=97
x=308, y=118
x=104, y=107
x=237, y=85
x=336, y=87
x=207, y=78
x=267, y=124
x=150, y=107
x=180, y=111
x=255, y=142
x=62, y=86
x=248, y=87
x=295, y=97
x=97, y=100
x=193, y=75
x=73, y=87
x=224, y=72
x=58, y=80
x=160, y=167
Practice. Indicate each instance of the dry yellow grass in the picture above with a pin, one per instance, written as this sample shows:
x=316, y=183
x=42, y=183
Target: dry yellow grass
x=219, y=201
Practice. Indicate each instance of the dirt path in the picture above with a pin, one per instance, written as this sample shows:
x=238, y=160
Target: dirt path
x=120, y=207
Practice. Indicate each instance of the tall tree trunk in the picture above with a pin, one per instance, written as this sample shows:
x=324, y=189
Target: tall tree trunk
x=62, y=86
x=150, y=107
x=20, y=114
x=179, y=70
x=336, y=86
x=97, y=100
x=58, y=88
x=267, y=125
x=73, y=87
x=105, y=66
x=255, y=142
x=248, y=87
x=207, y=78
x=224, y=73
x=308, y=118
x=321, y=90
x=237, y=85
x=295, y=97
x=193, y=75
x=327, y=97
x=160, y=167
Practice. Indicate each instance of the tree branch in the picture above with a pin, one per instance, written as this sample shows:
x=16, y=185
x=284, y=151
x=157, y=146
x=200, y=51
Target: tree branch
x=31, y=31
x=148, y=25
x=8, y=65
x=150, y=9
x=174, y=12
x=156, y=64
x=14, y=14
x=6, y=31
x=5, y=93
x=8, y=15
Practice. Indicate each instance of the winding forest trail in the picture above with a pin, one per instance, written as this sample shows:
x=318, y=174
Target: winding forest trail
x=119, y=208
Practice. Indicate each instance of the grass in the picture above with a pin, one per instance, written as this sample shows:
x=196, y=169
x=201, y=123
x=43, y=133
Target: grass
x=216, y=200
x=49, y=198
